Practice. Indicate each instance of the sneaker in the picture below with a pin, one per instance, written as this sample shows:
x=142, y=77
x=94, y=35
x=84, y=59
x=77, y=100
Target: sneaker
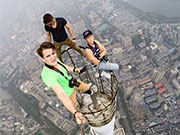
x=106, y=74
x=92, y=92
x=89, y=91
x=90, y=84
x=94, y=88
x=96, y=75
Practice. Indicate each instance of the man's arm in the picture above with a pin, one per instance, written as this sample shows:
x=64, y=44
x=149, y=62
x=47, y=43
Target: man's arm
x=63, y=97
x=70, y=69
x=67, y=102
x=69, y=28
x=48, y=36
x=90, y=56
x=103, y=50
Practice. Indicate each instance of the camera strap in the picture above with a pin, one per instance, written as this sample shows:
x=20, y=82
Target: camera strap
x=57, y=70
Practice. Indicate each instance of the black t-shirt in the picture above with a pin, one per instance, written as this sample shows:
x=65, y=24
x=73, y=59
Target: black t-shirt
x=59, y=33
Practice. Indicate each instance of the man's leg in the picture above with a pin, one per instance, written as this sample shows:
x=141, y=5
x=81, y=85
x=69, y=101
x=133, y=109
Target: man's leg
x=83, y=87
x=73, y=98
x=74, y=46
x=58, y=46
x=108, y=66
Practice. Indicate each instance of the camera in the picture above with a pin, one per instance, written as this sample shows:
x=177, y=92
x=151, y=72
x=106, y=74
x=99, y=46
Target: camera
x=73, y=82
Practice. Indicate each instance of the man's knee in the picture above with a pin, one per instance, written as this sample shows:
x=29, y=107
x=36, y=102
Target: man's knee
x=116, y=66
x=108, y=66
x=70, y=43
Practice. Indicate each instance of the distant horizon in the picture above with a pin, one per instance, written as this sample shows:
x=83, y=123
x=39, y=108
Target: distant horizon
x=159, y=7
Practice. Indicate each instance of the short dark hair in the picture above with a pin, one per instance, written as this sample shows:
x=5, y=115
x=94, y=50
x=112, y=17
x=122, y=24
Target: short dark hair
x=47, y=18
x=87, y=33
x=43, y=46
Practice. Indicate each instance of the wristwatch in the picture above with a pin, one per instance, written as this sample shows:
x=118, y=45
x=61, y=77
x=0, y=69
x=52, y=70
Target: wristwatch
x=74, y=38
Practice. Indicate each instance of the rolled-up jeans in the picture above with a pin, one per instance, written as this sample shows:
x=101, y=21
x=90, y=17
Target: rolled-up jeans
x=107, y=66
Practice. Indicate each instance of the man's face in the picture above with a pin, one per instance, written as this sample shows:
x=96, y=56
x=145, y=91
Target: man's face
x=49, y=57
x=90, y=39
x=51, y=23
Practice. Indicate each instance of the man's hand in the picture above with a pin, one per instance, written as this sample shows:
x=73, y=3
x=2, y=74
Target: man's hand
x=101, y=55
x=80, y=71
x=74, y=41
x=79, y=118
x=77, y=70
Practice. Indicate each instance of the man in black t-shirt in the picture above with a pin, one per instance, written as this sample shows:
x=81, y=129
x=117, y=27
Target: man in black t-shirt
x=56, y=28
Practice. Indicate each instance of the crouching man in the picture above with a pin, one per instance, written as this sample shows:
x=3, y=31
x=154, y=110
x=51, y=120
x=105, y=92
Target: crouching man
x=55, y=75
x=96, y=53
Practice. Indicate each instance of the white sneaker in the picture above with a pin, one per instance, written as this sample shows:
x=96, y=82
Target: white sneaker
x=106, y=74
x=90, y=84
x=94, y=88
x=96, y=74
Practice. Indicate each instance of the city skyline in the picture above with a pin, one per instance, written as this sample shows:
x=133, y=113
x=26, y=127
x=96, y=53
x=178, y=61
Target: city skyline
x=147, y=51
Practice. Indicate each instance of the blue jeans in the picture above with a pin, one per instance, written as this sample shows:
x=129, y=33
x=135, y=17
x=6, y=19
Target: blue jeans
x=107, y=66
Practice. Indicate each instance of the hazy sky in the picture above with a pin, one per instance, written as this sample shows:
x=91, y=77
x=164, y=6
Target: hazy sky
x=165, y=7
x=9, y=9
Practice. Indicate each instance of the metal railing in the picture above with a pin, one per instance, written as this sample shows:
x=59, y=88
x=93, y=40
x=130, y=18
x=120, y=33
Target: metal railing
x=100, y=107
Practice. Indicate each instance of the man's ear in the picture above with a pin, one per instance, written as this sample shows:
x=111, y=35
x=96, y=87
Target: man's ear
x=41, y=58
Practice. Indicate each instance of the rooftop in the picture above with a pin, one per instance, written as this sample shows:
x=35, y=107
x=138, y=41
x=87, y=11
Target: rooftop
x=161, y=90
x=159, y=85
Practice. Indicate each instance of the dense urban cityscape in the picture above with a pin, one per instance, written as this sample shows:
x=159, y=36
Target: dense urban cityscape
x=147, y=52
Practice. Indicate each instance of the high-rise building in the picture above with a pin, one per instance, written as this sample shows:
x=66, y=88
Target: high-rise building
x=99, y=109
x=158, y=75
